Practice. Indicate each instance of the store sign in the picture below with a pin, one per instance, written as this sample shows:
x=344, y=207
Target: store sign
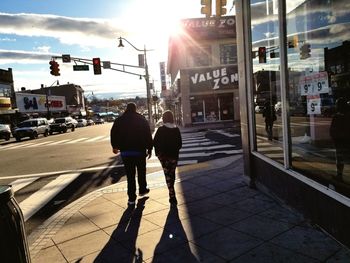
x=162, y=75
x=316, y=83
x=5, y=103
x=210, y=28
x=313, y=104
x=213, y=78
x=30, y=103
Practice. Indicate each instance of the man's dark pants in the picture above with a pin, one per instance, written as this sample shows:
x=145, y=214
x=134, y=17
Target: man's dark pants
x=131, y=164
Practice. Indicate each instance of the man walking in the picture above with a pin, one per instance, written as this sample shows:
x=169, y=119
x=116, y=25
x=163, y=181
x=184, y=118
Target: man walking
x=131, y=135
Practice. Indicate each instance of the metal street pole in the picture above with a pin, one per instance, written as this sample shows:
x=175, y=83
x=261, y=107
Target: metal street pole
x=149, y=106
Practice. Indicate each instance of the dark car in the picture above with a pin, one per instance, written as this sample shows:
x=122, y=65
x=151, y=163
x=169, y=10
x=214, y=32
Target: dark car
x=5, y=132
x=99, y=121
x=62, y=125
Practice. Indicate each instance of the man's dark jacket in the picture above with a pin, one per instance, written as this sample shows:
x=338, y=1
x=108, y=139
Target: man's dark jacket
x=131, y=132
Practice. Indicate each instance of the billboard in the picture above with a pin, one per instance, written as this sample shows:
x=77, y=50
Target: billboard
x=31, y=103
x=214, y=78
x=210, y=28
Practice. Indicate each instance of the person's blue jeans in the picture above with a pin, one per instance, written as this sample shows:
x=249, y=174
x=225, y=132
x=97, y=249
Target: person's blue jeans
x=131, y=163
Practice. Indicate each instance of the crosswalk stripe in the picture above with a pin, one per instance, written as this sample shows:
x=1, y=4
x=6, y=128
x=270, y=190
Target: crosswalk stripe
x=197, y=154
x=21, y=145
x=186, y=162
x=207, y=148
x=94, y=139
x=76, y=140
x=33, y=203
x=38, y=144
x=199, y=144
x=193, y=138
x=193, y=141
x=21, y=183
x=60, y=142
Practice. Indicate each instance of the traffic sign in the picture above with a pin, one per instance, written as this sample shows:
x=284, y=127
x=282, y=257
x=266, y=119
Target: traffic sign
x=80, y=67
x=66, y=58
x=106, y=64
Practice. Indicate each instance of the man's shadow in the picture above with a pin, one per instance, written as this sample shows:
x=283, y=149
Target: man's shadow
x=173, y=236
x=121, y=247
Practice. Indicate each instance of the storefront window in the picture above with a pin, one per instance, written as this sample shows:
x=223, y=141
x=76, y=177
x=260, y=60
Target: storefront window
x=228, y=54
x=266, y=71
x=319, y=90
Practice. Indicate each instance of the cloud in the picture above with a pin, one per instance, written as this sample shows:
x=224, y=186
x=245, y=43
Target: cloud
x=44, y=49
x=81, y=31
x=6, y=39
x=20, y=56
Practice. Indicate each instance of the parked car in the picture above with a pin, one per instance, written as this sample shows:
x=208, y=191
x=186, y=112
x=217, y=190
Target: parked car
x=5, y=132
x=82, y=123
x=32, y=128
x=90, y=122
x=62, y=125
x=99, y=121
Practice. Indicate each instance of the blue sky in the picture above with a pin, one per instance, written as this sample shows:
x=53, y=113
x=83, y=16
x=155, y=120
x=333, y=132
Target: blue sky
x=31, y=31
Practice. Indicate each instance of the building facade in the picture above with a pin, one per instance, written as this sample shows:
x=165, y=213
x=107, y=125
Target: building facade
x=293, y=58
x=202, y=63
x=7, y=96
x=74, y=98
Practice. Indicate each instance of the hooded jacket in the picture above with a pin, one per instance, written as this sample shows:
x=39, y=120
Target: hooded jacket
x=131, y=132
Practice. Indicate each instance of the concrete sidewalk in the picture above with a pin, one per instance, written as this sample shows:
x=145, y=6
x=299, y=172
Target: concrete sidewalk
x=218, y=219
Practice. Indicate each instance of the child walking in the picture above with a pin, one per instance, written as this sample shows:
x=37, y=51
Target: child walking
x=167, y=144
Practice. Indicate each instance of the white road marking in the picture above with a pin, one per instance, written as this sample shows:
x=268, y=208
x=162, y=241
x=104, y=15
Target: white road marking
x=94, y=139
x=186, y=155
x=21, y=183
x=207, y=148
x=60, y=142
x=21, y=145
x=193, y=141
x=199, y=144
x=226, y=133
x=76, y=140
x=33, y=203
x=38, y=144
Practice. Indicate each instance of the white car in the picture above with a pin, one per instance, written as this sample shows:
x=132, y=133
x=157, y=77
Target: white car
x=82, y=123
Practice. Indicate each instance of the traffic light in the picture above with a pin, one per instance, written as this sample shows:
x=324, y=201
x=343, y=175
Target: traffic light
x=96, y=62
x=220, y=7
x=206, y=7
x=262, y=54
x=54, y=67
x=305, y=51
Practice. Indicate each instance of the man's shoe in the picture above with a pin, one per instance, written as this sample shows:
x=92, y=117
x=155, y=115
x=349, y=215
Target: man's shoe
x=144, y=192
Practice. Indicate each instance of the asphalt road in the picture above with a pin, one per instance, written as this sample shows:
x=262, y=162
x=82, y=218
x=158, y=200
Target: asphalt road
x=87, y=153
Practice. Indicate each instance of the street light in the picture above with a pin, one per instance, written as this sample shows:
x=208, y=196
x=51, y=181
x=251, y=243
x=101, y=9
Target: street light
x=149, y=107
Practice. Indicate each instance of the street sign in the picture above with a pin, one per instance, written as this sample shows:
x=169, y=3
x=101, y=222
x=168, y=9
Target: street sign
x=80, y=67
x=106, y=64
x=66, y=58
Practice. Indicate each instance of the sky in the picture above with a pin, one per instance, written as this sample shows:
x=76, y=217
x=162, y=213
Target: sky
x=32, y=31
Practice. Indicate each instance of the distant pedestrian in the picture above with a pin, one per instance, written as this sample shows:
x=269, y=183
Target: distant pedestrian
x=340, y=133
x=131, y=135
x=167, y=144
x=269, y=114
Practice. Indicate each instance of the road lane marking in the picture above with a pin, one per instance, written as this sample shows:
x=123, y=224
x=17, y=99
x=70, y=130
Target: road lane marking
x=20, y=146
x=94, y=139
x=38, y=144
x=76, y=140
x=196, y=154
x=33, y=203
x=21, y=183
x=207, y=148
x=60, y=142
